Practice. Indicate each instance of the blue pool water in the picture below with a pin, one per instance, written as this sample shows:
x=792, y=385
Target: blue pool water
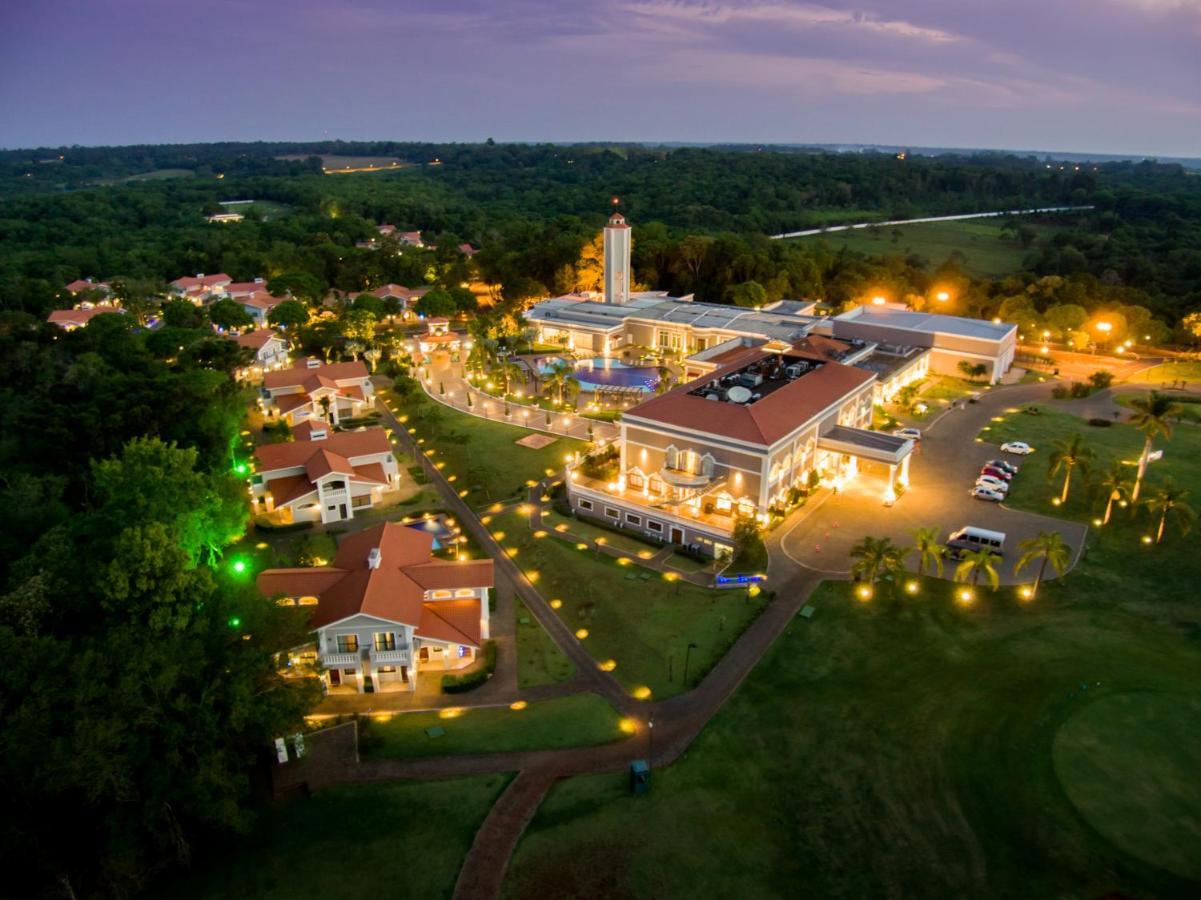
x=600, y=372
x=438, y=528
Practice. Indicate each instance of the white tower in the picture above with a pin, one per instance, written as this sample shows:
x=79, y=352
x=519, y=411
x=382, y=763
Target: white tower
x=617, y=260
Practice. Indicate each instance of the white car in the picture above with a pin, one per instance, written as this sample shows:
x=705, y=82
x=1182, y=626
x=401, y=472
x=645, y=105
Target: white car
x=993, y=484
x=911, y=433
x=1021, y=448
x=983, y=493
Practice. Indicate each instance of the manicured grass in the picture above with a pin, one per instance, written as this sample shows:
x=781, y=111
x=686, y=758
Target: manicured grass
x=405, y=839
x=584, y=529
x=577, y=720
x=949, y=387
x=539, y=660
x=644, y=626
x=901, y=748
x=1130, y=758
x=986, y=252
x=484, y=456
x=1172, y=371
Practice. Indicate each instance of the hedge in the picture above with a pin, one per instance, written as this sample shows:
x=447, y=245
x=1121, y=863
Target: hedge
x=459, y=684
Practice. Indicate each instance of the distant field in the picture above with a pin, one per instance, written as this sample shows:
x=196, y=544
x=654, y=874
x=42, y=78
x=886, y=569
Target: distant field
x=335, y=163
x=156, y=175
x=987, y=253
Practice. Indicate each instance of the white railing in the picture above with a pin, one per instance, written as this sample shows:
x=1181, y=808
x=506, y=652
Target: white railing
x=398, y=657
x=339, y=660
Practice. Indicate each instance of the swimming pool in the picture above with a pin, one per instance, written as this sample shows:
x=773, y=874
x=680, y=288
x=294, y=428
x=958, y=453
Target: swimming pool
x=437, y=525
x=602, y=372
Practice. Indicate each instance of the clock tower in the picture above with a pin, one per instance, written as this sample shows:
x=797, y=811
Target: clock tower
x=617, y=260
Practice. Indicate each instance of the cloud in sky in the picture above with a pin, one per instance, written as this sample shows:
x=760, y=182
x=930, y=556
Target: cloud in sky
x=1104, y=75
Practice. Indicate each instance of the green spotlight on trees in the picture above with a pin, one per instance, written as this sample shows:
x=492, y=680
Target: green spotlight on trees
x=241, y=468
x=239, y=566
x=235, y=622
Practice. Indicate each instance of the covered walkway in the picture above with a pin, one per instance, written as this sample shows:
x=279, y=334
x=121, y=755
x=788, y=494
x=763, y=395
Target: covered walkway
x=854, y=444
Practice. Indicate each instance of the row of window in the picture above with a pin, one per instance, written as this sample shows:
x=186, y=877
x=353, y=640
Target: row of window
x=382, y=640
x=631, y=518
x=446, y=595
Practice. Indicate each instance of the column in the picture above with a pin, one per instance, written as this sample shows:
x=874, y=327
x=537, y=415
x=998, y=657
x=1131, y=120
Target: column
x=891, y=493
x=905, y=470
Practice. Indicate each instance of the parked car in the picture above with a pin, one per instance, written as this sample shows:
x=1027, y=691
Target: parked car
x=983, y=493
x=996, y=473
x=1021, y=448
x=1003, y=465
x=911, y=433
x=993, y=484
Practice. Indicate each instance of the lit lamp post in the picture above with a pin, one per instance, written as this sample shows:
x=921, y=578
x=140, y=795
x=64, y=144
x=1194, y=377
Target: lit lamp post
x=942, y=296
x=1103, y=330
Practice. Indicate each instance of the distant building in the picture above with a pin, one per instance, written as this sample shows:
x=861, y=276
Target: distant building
x=70, y=319
x=270, y=351
x=225, y=218
x=386, y=610
x=81, y=285
x=201, y=288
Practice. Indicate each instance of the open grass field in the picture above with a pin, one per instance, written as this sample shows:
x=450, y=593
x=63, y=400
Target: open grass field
x=405, y=840
x=1168, y=372
x=482, y=456
x=912, y=748
x=577, y=720
x=539, y=660
x=985, y=251
x=641, y=627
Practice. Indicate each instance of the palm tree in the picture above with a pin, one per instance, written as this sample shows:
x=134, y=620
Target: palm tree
x=928, y=550
x=508, y=372
x=1167, y=500
x=1114, y=485
x=560, y=379
x=1047, y=546
x=1067, y=456
x=875, y=557
x=1151, y=416
x=976, y=563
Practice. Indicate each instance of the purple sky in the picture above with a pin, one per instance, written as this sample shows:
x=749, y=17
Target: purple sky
x=1121, y=76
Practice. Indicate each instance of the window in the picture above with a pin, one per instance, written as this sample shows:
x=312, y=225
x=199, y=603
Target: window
x=656, y=485
x=465, y=592
x=335, y=485
x=359, y=502
x=636, y=480
x=585, y=504
x=385, y=640
x=387, y=670
x=612, y=513
x=348, y=643
x=654, y=526
x=307, y=601
x=440, y=595
x=633, y=519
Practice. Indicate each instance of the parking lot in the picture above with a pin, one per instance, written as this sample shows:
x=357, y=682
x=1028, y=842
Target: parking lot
x=943, y=471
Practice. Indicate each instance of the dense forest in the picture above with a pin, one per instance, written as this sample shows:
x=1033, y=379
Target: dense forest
x=701, y=216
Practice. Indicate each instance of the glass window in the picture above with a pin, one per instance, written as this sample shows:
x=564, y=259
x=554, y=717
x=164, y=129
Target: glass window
x=611, y=512
x=654, y=526
x=385, y=640
x=633, y=519
x=585, y=504
x=348, y=643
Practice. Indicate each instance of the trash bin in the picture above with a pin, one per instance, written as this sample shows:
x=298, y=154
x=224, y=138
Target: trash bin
x=640, y=777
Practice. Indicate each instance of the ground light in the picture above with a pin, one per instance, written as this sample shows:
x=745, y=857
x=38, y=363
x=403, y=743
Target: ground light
x=235, y=622
x=581, y=633
x=518, y=705
x=628, y=726
x=864, y=592
x=642, y=692
x=964, y=595
x=241, y=468
x=238, y=566
x=1146, y=538
x=1026, y=592
x=556, y=603
x=912, y=587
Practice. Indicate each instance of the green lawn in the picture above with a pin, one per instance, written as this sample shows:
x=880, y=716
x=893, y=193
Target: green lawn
x=587, y=531
x=577, y=720
x=405, y=839
x=1173, y=371
x=483, y=456
x=909, y=748
x=644, y=626
x=986, y=252
x=539, y=660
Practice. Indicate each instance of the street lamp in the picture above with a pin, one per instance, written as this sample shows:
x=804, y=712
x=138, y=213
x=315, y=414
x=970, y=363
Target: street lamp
x=942, y=296
x=687, y=657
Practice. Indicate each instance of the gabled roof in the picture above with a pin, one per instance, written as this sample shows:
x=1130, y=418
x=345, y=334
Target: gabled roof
x=346, y=444
x=351, y=586
x=189, y=282
x=324, y=462
x=246, y=287
x=255, y=340
x=261, y=300
x=86, y=284
x=79, y=317
x=763, y=422
x=301, y=375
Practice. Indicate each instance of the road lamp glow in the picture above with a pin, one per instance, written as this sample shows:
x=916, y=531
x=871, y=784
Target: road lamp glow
x=965, y=595
x=942, y=296
x=864, y=592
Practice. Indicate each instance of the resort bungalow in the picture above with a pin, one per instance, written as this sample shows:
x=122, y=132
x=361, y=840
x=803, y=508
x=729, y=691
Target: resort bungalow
x=310, y=390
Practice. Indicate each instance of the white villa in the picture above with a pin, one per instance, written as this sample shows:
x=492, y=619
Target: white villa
x=270, y=351
x=310, y=390
x=326, y=478
x=386, y=610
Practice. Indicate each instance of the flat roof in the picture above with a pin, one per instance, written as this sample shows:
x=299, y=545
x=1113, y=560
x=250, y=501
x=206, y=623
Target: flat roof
x=930, y=322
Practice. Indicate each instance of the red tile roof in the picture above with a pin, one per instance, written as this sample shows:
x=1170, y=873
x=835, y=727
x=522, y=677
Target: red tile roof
x=78, y=317
x=300, y=374
x=763, y=422
x=255, y=340
x=347, y=444
x=324, y=462
x=245, y=287
x=189, y=282
x=350, y=586
x=86, y=284
x=261, y=300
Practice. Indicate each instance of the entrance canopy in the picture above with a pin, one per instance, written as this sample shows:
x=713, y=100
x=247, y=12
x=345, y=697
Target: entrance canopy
x=865, y=444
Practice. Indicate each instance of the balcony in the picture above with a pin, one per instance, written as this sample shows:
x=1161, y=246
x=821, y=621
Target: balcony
x=340, y=660
x=680, y=478
x=398, y=657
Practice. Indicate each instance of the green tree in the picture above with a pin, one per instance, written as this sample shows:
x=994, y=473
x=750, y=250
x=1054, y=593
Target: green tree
x=1048, y=547
x=358, y=325
x=1068, y=455
x=435, y=303
x=301, y=285
x=289, y=315
x=230, y=315
x=182, y=314
x=928, y=549
x=976, y=563
x=1114, y=485
x=1152, y=416
x=1169, y=500
x=874, y=557
x=748, y=293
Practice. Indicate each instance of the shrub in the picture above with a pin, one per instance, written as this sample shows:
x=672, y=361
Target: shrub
x=1100, y=379
x=1098, y=422
x=268, y=528
x=1059, y=392
x=459, y=684
x=1080, y=389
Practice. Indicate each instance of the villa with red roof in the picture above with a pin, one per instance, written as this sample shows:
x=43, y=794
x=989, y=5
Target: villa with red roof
x=386, y=609
x=80, y=285
x=324, y=476
x=70, y=319
x=310, y=390
x=258, y=305
x=736, y=442
x=270, y=351
x=438, y=336
x=201, y=288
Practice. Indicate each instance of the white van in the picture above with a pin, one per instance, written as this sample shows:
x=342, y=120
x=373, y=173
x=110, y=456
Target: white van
x=972, y=538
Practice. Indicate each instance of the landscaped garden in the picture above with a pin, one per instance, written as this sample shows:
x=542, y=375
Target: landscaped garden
x=482, y=456
x=1171, y=371
x=644, y=627
x=539, y=659
x=340, y=839
x=921, y=747
x=576, y=720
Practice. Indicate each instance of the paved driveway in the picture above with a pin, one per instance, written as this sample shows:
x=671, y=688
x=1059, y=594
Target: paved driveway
x=942, y=471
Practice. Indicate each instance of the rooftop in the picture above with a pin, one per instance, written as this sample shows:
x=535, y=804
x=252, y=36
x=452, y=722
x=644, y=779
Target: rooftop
x=930, y=322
